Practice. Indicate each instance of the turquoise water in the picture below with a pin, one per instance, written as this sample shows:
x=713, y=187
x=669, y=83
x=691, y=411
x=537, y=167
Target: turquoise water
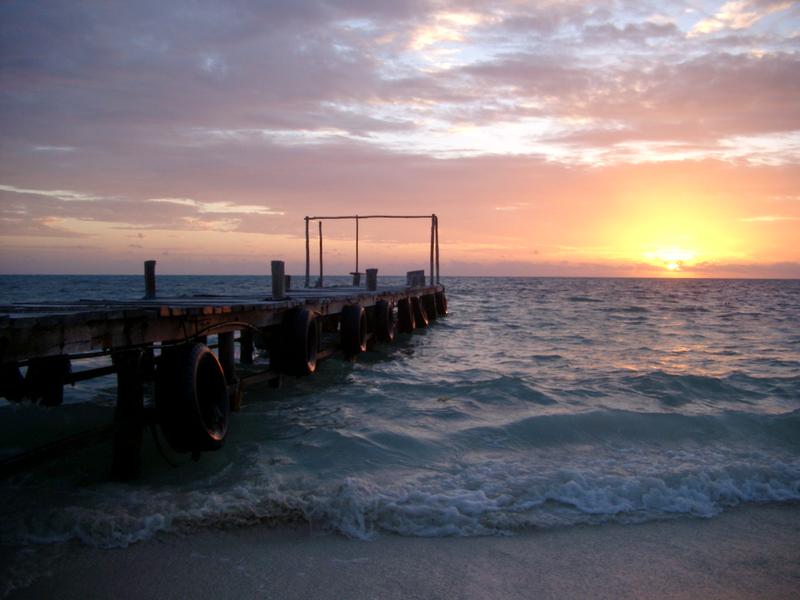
x=536, y=403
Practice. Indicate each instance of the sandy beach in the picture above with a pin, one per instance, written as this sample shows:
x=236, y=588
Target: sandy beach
x=751, y=552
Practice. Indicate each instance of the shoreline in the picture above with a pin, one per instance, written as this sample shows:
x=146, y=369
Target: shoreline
x=747, y=552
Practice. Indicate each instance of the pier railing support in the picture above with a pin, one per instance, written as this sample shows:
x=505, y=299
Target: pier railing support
x=434, y=244
x=319, y=283
x=433, y=235
x=308, y=257
x=436, y=222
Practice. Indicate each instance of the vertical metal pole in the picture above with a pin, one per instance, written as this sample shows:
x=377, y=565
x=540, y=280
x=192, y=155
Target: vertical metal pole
x=308, y=256
x=320, y=254
x=433, y=224
x=356, y=244
x=437, y=250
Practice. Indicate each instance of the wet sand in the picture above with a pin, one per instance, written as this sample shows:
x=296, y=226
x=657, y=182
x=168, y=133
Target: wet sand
x=750, y=552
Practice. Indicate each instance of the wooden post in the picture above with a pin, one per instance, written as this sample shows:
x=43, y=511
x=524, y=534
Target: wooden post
x=45, y=378
x=149, y=279
x=278, y=280
x=225, y=350
x=319, y=283
x=437, y=250
x=246, y=347
x=415, y=278
x=433, y=226
x=372, y=279
x=308, y=256
x=128, y=417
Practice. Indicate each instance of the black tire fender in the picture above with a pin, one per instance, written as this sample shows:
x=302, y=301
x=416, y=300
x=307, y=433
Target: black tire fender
x=420, y=316
x=303, y=334
x=405, y=316
x=429, y=304
x=385, y=327
x=192, y=398
x=441, y=304
x=353, y=329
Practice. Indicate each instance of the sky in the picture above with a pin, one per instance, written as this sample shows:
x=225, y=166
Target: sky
x=555, y=138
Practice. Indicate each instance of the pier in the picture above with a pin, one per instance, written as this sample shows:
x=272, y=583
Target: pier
x=164, y=342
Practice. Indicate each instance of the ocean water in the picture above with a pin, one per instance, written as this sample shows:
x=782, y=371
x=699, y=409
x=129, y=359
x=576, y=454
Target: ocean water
x=537, y=402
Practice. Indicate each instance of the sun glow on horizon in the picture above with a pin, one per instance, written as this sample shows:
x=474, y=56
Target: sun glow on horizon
x=673, y=259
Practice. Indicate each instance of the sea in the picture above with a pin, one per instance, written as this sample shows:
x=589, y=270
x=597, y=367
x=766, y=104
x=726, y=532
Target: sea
x=536, y=403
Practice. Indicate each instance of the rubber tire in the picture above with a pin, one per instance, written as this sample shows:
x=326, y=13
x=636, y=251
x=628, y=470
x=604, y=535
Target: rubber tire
x=353, y=329
x=429, y=304
x=420, y=316
x=385, y=328
x=441, y=304
x=405, y=316
x=301, y=334
x=192, y=399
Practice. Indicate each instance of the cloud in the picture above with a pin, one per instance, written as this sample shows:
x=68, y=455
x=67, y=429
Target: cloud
x=49, y=215
x=769, y=219
x=219, y=207
x=738, y=14
x=65, y=195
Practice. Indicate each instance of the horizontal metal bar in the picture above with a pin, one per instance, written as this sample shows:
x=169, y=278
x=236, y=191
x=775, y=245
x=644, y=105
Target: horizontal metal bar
x=372, y=217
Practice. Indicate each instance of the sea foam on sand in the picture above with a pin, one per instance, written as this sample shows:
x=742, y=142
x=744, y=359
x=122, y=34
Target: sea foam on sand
x=750, y=552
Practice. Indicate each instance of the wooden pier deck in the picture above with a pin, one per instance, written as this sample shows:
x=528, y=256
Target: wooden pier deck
x=37, y=330
x=164, y=340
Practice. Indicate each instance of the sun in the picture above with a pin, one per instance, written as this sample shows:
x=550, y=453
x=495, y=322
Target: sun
x=672, y=258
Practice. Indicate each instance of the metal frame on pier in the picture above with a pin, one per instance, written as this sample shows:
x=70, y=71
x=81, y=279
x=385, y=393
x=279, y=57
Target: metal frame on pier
x=434, y=254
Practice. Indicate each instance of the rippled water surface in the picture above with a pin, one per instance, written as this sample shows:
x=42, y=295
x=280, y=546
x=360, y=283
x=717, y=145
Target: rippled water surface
x=536, y=402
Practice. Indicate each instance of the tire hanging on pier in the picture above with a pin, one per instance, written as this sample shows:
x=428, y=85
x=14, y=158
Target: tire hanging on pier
x=353, y=329
x=420, y=316
x=295, y=351
x=441, y=303
x=385, y=328
x=405, y=316
x=192, y=398
x=429, y=304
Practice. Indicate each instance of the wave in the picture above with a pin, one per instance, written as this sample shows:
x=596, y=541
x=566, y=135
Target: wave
x=609, y=426
x=491, y=498
x=676, y=389
x=583, y=299
x=553, y=470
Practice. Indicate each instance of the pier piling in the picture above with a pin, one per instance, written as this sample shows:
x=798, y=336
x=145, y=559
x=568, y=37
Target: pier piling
x=128, y=416
x=149, y=279
x=372, y=280
x=278, y=280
